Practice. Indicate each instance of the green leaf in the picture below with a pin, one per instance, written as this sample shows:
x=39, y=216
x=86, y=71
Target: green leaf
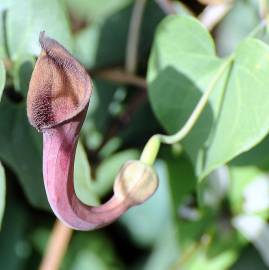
x=82, y=178
x=166, y=250
x=95, y=9
x=256, y=156
x=182, y=66
x=181, y=178
x=249, y=259
x=22, y=72
x=87, y=252
x=26, y=19
x=2, y=192
x=15, y=247
x=21, y=150
x=99, y=114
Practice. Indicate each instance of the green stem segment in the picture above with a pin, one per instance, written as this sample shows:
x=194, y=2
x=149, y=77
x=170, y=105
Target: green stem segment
x=181, y=134
x=152, y=147
x=151, y=150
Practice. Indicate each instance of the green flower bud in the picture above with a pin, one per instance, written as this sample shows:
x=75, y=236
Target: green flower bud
x=135, y=182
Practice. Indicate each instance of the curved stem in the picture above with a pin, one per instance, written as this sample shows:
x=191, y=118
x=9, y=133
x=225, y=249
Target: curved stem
x=59, y=146
x=181, y=134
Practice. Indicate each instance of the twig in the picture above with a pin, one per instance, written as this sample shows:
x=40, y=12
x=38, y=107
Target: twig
x=133, y=36
x=120, y=76
x=213, y=14
x=204, y=242
x=56, y=247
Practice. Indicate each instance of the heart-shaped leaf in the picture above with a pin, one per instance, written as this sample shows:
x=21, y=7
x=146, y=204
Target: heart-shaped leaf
x=25, y=20
x=183, y=65
x=20, y=149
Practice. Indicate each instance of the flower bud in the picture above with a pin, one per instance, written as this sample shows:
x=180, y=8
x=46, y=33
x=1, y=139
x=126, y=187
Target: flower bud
x=136, y=182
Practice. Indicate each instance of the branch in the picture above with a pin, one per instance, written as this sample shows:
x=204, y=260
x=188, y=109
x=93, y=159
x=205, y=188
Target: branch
x=120, y=76
x=133, y=36
x=213, y=14
x=56, y=247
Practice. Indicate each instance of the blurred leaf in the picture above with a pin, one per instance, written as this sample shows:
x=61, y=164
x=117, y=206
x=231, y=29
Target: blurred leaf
x=249, y=259
x=103, y=43
x=20, y=148
x=94, y=10
x=256, y=156
x=39, y=238
x=233, y=28
x=166, y=250
x=134, y=132
x=181, y=178
x=108, y=169
x=99, y=115
x=15, y=248
x=87, y=260
x=217, y=247
x=255, y=230
x=26, y=19
x=91, y=251
x=82, y=178
x=202, y=261
x=103, y=96
x=213, y=190
x=240, y=178
x=233, y=105
x=85, y=251
x=2, y=192
x=22, y=72
x=144, y=222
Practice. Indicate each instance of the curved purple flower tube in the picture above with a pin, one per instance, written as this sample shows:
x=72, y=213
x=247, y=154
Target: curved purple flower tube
x=57, y=103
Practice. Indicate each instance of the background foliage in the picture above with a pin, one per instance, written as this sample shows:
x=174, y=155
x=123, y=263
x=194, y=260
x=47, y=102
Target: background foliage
x=212, y=207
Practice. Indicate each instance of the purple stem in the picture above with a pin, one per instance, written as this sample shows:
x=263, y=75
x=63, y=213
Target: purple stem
x=59, y=147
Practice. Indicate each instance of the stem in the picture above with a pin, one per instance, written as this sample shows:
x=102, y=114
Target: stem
x=181, y=134
x=56, y=247
x=133, y=35
x=263, y=8
x=121, y=77
x=213, y=14
x=151, y=150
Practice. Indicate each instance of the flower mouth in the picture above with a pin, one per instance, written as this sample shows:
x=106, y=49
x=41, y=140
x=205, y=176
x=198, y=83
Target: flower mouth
x=60, y=87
